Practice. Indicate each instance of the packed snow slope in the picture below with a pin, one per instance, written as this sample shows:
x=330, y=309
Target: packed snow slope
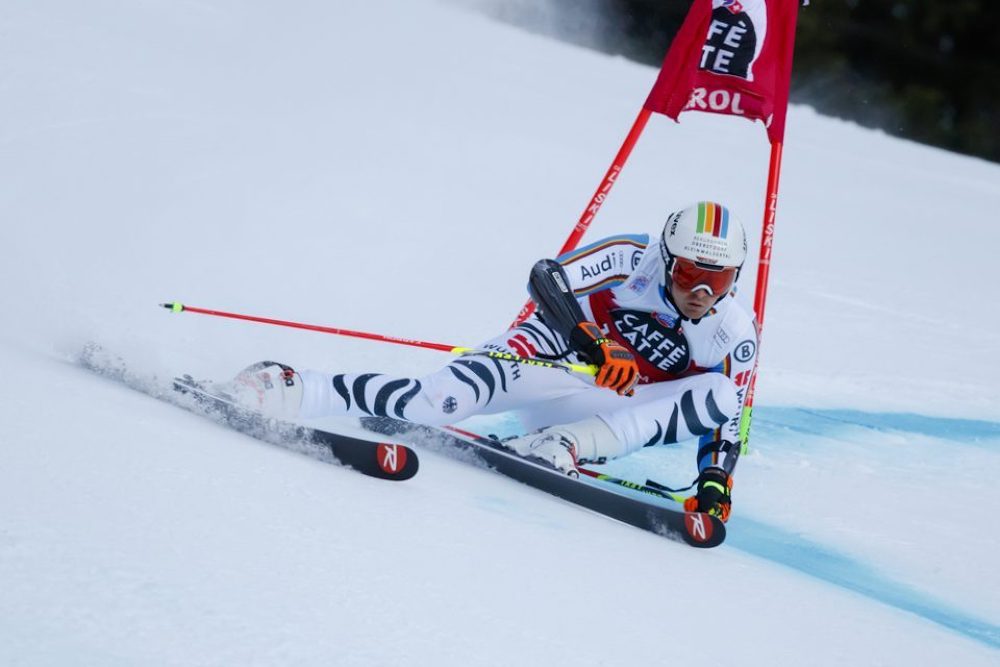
x=397, y=166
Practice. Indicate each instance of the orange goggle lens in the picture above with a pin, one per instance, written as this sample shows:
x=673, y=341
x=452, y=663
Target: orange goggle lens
x=690, y=276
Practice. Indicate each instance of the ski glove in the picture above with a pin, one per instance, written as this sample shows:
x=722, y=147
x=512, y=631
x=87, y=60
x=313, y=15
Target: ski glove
x=617, y=369
x=714, y=487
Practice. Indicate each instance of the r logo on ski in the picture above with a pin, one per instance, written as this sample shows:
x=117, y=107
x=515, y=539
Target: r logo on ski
x=697, y=527
x=391, y=458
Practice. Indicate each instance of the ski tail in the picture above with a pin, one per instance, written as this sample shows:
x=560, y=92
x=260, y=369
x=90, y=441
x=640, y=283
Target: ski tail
x=382, y=460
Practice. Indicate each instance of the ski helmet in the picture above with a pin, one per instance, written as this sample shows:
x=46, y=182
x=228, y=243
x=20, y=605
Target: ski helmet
x=703, y=247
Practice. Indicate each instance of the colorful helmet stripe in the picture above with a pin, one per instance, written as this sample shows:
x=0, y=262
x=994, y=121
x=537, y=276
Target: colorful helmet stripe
x=713, y=219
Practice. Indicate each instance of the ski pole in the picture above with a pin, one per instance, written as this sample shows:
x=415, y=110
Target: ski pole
x=648, y=488
x=586, y=369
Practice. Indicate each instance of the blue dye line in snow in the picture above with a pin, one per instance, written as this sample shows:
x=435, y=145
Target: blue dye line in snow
x=790, y=550
x=968, y=431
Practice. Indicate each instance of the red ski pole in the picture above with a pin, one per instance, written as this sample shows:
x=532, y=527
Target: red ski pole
x=586, y=369
x=181, y=308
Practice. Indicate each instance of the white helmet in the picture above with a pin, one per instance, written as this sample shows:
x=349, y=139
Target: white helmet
x=705, y=233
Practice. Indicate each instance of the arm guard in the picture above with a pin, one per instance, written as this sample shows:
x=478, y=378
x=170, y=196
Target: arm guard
x=550, y=290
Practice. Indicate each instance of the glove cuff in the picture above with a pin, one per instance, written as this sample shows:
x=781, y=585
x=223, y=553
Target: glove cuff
x=586, y=337
x=715, y=477
x=715, y=485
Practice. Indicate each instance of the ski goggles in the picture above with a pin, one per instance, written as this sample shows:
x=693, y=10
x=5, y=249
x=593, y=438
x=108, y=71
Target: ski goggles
x=690, y=276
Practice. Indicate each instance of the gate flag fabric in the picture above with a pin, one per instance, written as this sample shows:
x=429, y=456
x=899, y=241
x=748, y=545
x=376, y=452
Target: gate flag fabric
x=730, y=57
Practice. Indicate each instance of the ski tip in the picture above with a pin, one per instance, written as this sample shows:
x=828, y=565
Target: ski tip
x=702, y=530
x=396, y=461
x=174, y=306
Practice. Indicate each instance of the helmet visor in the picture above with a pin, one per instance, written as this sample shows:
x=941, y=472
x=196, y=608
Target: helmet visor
x=691, y=276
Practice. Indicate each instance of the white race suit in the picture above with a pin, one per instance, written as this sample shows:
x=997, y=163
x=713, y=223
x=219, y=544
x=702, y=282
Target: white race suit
x=693, y=373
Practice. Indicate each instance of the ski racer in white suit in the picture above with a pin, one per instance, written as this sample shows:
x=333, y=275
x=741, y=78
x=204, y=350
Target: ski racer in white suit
x=659, y=319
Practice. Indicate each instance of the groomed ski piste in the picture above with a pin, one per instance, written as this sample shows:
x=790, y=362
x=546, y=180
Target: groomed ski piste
x=397, y=166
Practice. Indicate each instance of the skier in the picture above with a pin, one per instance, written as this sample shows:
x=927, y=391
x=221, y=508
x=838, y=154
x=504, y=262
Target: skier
x=659, y=320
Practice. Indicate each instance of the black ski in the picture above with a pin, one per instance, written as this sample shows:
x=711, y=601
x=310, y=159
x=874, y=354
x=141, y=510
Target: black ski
x=383, y=460
x=655, y=513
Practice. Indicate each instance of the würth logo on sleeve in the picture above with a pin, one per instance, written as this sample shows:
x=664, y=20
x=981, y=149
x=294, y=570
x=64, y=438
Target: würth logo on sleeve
x=391, y=458
x=522, y=346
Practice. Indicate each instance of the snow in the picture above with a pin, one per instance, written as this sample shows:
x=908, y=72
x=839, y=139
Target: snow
x=370, y=166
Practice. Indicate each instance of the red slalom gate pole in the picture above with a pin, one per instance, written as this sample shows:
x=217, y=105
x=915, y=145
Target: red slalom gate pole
x=763, y=274
x=610, y=177
x=597, y=200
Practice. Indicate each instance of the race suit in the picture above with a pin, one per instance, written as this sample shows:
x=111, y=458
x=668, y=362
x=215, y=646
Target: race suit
x=693, y=374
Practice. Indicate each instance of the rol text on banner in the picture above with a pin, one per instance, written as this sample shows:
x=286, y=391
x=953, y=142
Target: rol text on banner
x=730, y=57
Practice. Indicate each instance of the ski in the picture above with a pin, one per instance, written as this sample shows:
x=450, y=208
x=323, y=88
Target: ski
x=635, y=504
x=383, y=460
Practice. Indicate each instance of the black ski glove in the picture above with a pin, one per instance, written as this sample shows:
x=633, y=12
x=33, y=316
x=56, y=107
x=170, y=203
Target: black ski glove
x=713, y=497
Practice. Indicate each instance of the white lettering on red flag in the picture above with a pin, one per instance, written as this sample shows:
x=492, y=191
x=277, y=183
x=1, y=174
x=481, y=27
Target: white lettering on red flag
x=731, y=57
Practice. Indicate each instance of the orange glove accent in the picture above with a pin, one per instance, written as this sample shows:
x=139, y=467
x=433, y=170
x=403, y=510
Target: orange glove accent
x=714, y=494
x=721, y=509
x=617, y=368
